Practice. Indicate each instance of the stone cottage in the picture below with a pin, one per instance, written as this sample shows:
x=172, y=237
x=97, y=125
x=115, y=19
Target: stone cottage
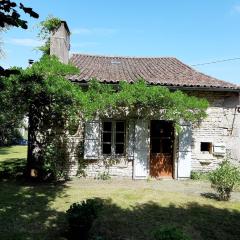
x=139, y=148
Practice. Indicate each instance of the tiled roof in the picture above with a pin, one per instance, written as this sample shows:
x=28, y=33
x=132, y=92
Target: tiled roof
x=166, y=71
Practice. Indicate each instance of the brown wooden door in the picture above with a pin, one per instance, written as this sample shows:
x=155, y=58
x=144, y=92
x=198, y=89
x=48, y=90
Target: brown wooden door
x=161, y=155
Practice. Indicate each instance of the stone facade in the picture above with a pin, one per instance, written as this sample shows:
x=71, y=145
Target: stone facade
x=220, y=128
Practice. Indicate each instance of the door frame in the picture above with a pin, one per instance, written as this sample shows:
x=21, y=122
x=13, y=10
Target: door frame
x=175, y=143
x=174, y=163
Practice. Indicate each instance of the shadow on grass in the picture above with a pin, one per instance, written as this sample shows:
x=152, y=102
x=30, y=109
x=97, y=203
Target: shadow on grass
x=200, y=222
x=210, y=195
x=4, y=150
x=25, y=211
x=12, y=168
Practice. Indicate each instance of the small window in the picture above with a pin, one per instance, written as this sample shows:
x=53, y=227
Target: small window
x=113, y=137
x=206, y=147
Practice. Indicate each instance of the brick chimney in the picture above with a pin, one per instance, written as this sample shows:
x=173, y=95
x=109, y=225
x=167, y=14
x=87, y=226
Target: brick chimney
x=60, y=43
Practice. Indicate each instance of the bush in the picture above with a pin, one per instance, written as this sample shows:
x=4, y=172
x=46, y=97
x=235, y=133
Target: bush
x=169, y=233
x=199, y=175
x=224, y=179
x=103, y=176
x=80, y=217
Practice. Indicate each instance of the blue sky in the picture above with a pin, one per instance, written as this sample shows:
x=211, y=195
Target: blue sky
x=193, y=31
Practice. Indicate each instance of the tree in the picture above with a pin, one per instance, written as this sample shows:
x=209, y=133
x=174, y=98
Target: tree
x=10, y=17
x=11, y=114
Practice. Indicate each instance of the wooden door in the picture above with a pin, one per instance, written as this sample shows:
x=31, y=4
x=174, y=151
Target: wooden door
x=161, y=153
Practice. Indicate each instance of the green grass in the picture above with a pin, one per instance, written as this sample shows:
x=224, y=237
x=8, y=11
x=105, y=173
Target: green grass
x=133, y=209
x=12, y=161
x=13, y=152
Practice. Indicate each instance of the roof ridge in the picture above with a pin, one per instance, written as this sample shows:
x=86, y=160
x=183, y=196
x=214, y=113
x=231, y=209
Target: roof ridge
x=118, y=56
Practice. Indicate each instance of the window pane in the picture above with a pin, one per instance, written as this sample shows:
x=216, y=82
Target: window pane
x=161, y=129
x=107, y=126
x=119, y=149
x=107, y=137
x=155, y=146
x=120, y=126
x=167, y=146
x=106, y=148
x=119, y=137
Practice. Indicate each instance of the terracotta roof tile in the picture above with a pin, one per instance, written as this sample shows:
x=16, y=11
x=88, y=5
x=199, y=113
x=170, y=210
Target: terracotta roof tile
x=163, y=71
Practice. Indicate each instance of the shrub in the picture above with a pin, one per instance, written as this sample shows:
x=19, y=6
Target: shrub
x=80, y=217
x=103, y=176
x=169, y=233
x=199, y=175
x=224, y=179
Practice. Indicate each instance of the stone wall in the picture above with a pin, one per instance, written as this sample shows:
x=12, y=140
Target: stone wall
x=221, y=127
x=120, y=167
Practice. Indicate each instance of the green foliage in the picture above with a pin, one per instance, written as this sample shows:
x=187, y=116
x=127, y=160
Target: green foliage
x=80, y=217
x=10, y=14
x=42, y=93
x=224, y=179
x=139, y=100
x=169, y=233
x=46, y=28
x=12, y=168
x=11, y=114
x=103, y=176
x=56, y=159
x=162, y=102
x=199, y=175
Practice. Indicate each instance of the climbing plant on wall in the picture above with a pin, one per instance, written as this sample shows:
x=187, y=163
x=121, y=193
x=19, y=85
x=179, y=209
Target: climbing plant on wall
x=141, y=100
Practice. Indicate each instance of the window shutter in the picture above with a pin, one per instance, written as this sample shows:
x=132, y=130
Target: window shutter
x=92, y=140
x=184, y=158
x=131, y=139
x=141, y=150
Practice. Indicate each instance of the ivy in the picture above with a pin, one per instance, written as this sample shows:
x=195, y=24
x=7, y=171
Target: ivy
x=140, y=100
x=47, y=27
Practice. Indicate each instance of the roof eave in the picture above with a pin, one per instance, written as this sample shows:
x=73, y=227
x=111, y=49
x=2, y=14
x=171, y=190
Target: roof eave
x=175, y=87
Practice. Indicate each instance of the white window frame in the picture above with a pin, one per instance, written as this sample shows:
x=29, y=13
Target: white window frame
x=113, y=138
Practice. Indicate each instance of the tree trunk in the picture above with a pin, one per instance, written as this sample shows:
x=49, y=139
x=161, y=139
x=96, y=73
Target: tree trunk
x=34, y=154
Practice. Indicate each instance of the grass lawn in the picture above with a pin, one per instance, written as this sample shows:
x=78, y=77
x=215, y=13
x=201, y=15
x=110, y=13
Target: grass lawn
x=12, y=161
x=13, y=152
x=133, y=209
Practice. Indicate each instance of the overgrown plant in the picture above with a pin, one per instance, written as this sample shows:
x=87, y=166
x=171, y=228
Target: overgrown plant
x=224, y=179
x=103, y=176
x=199, y=175
x=139, y=100
x=47, y=27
